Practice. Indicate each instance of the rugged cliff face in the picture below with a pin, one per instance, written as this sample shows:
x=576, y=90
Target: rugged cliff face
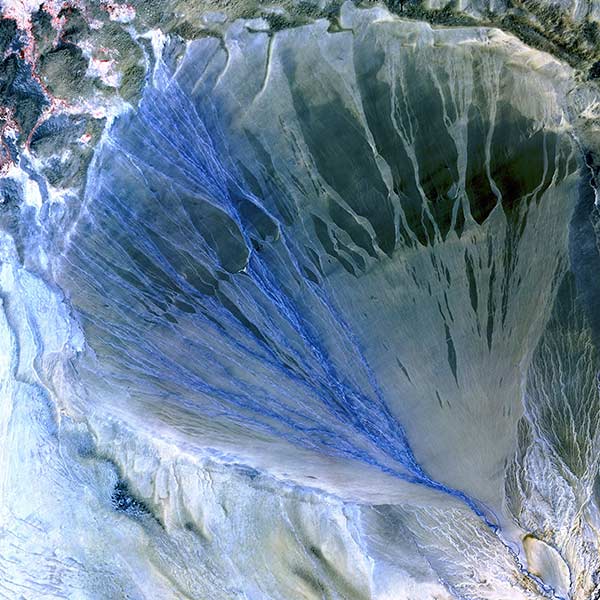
x=308, y=312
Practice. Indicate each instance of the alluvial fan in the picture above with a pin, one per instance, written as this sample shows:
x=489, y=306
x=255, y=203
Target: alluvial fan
x=323, y=325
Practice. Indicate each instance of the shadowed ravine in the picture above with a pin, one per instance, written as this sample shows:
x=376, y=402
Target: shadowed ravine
x=337, y=329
